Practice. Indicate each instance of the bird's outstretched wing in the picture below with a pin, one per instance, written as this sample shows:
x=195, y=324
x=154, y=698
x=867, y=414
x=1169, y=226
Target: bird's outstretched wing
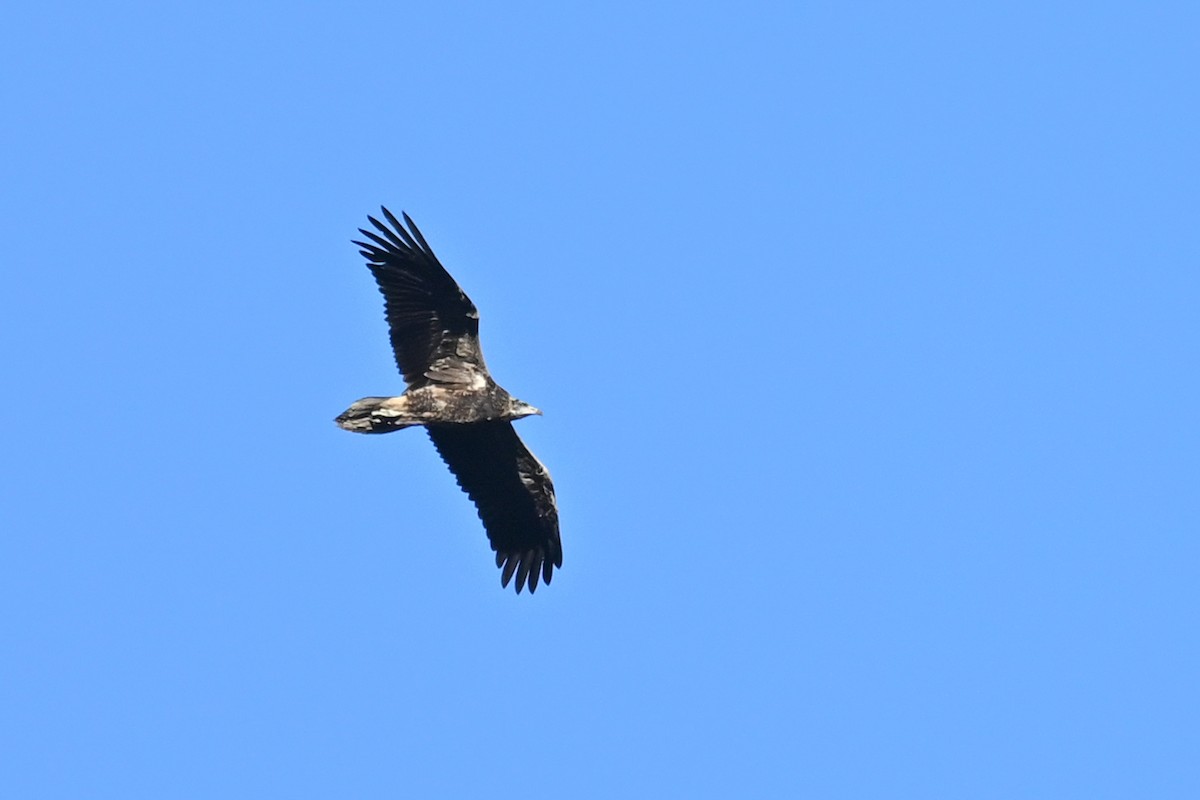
x=513, y=493
x=434, y=326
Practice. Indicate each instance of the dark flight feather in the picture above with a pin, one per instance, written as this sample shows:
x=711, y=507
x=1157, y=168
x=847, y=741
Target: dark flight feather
x=513, y=493
x=423, y=305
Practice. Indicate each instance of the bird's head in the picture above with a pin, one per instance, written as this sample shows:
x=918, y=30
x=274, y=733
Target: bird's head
x=522, y=409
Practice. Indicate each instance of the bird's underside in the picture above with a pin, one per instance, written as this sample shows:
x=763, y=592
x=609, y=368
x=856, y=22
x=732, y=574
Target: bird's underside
x=432, y=404
x=434, y=330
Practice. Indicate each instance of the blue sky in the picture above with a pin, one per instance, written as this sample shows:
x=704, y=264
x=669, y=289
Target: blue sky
x=866, y=337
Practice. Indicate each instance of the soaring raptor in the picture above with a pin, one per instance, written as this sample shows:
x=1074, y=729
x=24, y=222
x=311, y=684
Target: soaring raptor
x=434, y=329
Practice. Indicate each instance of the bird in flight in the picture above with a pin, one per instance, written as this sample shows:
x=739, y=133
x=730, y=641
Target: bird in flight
x=434, y=329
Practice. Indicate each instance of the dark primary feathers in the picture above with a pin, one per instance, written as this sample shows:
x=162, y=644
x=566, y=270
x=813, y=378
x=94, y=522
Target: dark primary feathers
x=426, y=311
x=513, y=493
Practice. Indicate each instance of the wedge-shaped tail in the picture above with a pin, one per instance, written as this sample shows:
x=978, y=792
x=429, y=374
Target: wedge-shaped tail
x=375, y=415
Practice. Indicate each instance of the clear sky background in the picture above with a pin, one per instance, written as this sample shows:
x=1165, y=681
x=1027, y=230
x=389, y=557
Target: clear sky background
x=866, y=336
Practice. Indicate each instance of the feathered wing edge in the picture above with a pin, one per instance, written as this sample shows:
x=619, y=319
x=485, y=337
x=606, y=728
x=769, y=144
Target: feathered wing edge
x=397, y=238
x=422, y=302
x=513, y=493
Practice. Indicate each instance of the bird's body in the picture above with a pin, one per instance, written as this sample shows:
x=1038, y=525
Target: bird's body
x=431, y=405
x=434, y=330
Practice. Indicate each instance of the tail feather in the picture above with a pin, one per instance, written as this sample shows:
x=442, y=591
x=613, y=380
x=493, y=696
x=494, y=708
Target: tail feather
x=371, y=415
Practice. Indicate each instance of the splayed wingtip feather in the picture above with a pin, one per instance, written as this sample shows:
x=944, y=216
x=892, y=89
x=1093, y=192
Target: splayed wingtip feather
x=522, y=571
x=510, y=566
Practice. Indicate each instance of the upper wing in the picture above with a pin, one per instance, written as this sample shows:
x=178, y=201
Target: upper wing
x=513, y=493
x=433, y=325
